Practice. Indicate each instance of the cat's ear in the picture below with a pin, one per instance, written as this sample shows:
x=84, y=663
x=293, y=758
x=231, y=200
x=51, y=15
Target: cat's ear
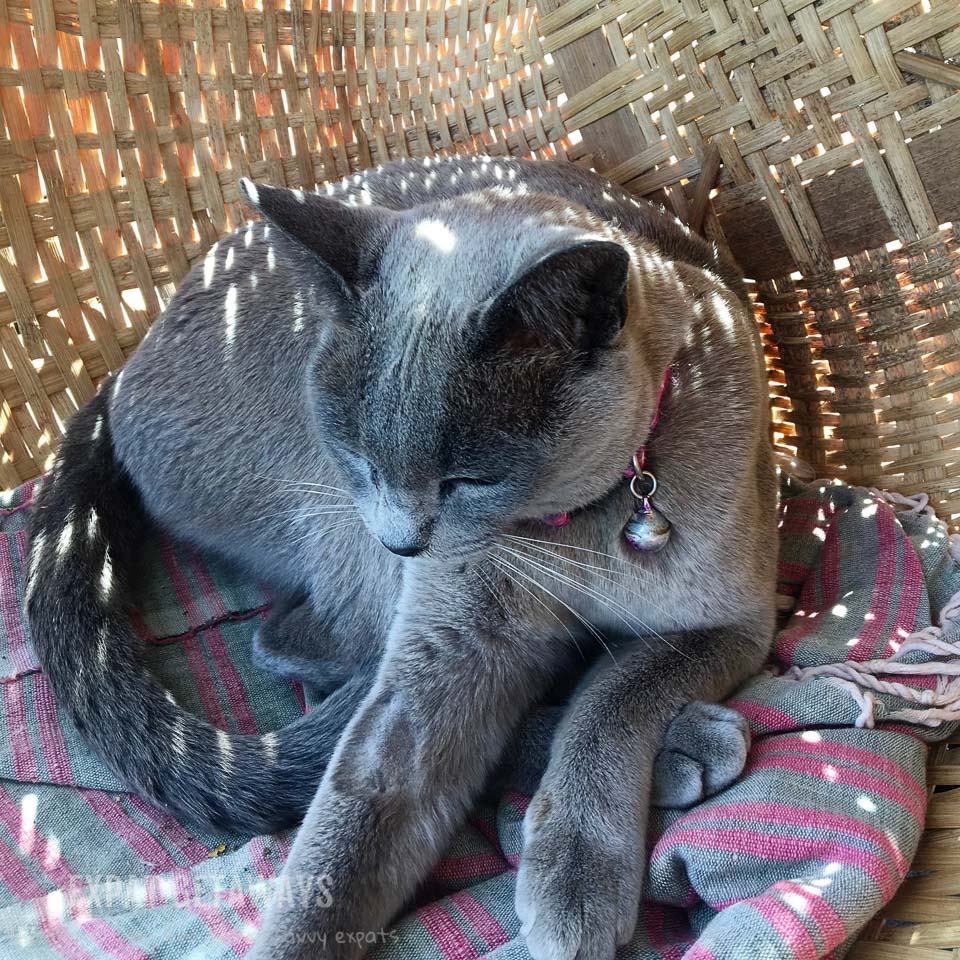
x=574, y=297
x=346, y=238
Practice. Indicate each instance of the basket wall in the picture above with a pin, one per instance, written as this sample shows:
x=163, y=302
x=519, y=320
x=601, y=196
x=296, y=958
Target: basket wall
x=125, y=124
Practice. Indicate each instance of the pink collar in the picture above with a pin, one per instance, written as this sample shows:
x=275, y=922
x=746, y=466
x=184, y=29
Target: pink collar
x=639, y=463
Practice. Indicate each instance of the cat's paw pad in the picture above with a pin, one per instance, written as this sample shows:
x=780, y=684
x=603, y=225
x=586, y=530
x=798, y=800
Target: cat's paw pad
x=704, y=751
x=578, y=890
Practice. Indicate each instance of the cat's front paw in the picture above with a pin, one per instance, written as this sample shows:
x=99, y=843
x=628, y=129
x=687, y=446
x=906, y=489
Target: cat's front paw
x=578, y=886
x=704, y=751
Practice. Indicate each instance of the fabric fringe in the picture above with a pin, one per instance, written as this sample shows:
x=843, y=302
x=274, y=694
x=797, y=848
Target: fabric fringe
x=861, y=680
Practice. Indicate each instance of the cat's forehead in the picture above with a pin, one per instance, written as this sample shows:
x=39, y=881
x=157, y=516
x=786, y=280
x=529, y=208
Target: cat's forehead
x=457, y=253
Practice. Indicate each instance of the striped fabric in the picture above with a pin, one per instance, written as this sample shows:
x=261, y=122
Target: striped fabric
x=787, y=863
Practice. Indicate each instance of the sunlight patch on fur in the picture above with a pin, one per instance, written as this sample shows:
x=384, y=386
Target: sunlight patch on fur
x=271, y=747
x=106, y=576
x=66, y=537
x=438, y=234
x=209, y=267
x=93, y=523
x=298, y=311
x=230, y=313
x=226, y=750
x=177, y=739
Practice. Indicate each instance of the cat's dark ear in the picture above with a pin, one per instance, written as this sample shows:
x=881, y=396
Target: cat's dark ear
x=574, y=297
x=348, y=239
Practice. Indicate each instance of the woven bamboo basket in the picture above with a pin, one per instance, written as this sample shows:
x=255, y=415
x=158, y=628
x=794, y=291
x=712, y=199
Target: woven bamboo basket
x=817, y=140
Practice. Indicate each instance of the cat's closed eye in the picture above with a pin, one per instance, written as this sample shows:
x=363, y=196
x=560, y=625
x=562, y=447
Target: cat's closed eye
x=454, y=485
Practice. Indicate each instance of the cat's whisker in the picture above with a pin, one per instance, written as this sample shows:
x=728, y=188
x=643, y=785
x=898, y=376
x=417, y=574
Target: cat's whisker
x=566, y=546
x=304, y=483
x=317, y=493
x=621, y=574
x=591, y=627
x=326, y=531
x=328, y=509
x=553, y=613
x=550, y=573
x=618, y=609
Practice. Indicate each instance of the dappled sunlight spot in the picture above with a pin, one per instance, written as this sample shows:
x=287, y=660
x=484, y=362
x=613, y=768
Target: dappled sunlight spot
x=228, y=261
x=178, y=740
x=271, y=747
x=209, y=267
x=832, y=868
x=106, y=576
x=830, y=772
x=811, y=736
x=820, y=533
x=869, y=511
x=865, y=803
x=853, y=641
x=869, y=616
x=93, y=522
x=248, y=235
x=28, y=820
x=226, y=750
x=438, y=234
x=298, y=311
x=839, y=610
x=271, y=259
x=55, y=906
x=66, y=537
x=796, y=901
x=230, y=312
x=52, y=857
x=97, y=429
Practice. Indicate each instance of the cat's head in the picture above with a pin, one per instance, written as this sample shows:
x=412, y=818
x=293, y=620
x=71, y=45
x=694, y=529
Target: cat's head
x=474, y=368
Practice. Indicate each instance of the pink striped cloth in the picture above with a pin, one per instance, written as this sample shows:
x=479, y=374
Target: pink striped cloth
x=789, y=862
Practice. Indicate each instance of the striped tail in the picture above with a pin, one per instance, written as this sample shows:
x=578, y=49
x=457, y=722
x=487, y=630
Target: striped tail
x=86, y=528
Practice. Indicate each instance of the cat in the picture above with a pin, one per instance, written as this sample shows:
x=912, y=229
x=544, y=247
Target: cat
x=379, y=399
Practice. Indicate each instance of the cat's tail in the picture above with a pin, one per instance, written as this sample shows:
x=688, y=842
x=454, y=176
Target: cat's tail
x=86, y=530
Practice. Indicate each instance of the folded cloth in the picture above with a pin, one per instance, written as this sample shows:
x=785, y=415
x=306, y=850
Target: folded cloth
x=789, y=862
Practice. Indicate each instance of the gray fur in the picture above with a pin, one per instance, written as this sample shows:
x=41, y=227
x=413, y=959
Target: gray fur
x=305, y=400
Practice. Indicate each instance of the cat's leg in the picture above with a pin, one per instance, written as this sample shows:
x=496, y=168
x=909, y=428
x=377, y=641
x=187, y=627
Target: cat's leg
x=705, y=749
x=336, y=628
x=581, y=871
x=295, y=642
x=457, y=675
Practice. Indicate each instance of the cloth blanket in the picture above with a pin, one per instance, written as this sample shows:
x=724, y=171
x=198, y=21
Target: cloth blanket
x=789, y=862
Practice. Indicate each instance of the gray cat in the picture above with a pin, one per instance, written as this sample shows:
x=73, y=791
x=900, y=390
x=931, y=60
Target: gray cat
x=431, y=359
